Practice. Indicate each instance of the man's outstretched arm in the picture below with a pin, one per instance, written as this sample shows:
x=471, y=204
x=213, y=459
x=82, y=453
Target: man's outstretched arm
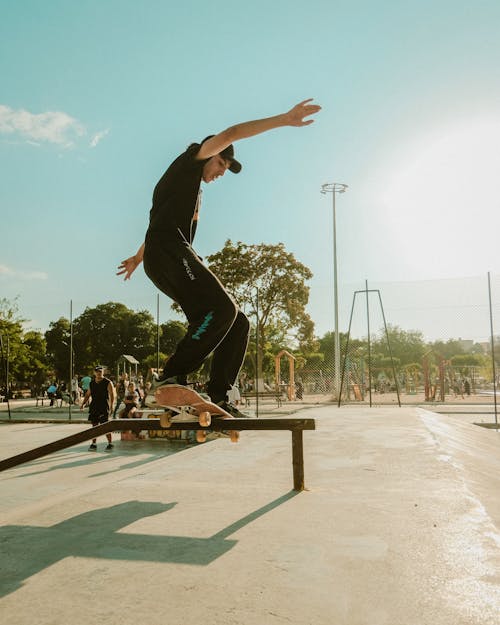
x=294, y=117
x=129, y=265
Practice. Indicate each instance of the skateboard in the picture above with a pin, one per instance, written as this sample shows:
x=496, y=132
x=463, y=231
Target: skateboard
x=185, y=404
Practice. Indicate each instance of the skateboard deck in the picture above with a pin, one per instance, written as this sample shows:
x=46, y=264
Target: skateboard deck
x=185, y=404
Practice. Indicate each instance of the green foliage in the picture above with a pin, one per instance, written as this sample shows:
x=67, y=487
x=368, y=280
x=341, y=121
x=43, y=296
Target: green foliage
x=412, y=367
x=11, y=333
x=311, y=362
x=151, y=361
x=469, y=360
x=33, y=366
x=326, y=346
x=104, y=333
x=11, y=325
x=406, y=346
x=171, y=334
x=57, y=339
x=26, y=352
x=271, y=280
x=385, y=363
x=278, y=276
x=447, y=349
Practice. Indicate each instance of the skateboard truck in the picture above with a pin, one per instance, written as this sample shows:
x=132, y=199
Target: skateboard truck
x=175, y=414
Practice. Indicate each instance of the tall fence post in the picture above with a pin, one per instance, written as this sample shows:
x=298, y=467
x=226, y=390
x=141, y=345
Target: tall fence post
x=6, y=371
x=257, y=329
x=493, y=351
x=157, y=333
x=369, y=344
x=71, y=364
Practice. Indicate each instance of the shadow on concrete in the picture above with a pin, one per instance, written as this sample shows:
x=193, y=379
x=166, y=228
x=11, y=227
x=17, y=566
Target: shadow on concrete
x=64, y=465
x=91, y=458
x=27, y=550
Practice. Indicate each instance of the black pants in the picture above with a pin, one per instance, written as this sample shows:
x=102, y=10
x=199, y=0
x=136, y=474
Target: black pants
x=215, y=323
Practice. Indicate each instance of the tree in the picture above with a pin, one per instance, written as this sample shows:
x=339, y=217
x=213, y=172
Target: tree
x=151, y=361
x=102, y=334
x=11, y=332
x=171, y=334
x=447, y=349
x=466, y=363
x=25, y=351
x=308, y=343
x=406, y=346
x=57, y=339
x=273, y=276
x=33, y=367
x=309, y=366
x=468, y=360
x=326, y=346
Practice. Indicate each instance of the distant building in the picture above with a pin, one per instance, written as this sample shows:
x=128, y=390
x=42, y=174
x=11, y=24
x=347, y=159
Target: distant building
x=466, y=345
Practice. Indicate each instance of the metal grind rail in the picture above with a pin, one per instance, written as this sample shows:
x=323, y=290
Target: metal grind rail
x=295, y=426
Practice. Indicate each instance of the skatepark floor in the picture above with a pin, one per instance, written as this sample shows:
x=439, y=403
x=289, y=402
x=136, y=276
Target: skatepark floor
x=399, y=525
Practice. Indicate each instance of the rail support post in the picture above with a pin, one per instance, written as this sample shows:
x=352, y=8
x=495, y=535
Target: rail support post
x=298, y=460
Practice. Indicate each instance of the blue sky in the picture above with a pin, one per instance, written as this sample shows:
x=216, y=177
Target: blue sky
x=97, y=98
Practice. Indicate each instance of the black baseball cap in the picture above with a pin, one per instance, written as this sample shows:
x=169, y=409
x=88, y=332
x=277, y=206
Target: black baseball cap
x=99, y=368
x=228, y=154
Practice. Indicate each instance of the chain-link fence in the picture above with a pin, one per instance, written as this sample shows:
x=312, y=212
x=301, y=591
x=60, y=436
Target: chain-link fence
x=415, y=342
x=406, y=342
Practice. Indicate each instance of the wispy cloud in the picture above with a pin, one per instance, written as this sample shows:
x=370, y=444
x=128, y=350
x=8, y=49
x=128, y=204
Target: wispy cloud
x=97, y=137
x=18, y=274
x=55, y=127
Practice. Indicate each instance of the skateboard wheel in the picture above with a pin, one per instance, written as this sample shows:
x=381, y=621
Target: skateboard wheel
x=165, y=421
x=201, y=436
x=205, y=419
x=234, y=435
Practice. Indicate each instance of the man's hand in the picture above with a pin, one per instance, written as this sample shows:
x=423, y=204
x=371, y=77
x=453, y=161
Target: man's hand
x=295, y=116
x=127, y=267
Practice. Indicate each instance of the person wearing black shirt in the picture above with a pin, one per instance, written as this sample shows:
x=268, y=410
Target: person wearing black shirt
x=102, y=393
x=215, y=322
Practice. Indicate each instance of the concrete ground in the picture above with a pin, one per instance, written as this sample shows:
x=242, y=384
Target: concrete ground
x=399, y=526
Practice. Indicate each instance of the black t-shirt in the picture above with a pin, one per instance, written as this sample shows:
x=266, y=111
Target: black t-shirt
x=100, y=397
x=175, y=198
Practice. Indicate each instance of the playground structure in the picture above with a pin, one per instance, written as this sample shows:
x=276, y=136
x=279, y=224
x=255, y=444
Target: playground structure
x=291, y=368
x=127, y=364
x=443, y=378
x=356, y=386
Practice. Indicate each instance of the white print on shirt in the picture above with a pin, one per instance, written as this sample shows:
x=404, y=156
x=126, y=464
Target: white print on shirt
x=188, y=269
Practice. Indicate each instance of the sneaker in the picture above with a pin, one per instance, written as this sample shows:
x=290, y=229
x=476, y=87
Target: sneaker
x=150, y=400
x=233, y=411
x=93, y=447
x=175, y=379
x=109, y=447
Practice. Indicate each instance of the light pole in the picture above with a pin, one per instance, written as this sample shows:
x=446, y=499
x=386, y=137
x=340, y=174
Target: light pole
x=334, y=188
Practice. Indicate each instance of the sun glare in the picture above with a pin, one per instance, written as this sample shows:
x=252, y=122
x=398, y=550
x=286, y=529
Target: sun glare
x=444, y=191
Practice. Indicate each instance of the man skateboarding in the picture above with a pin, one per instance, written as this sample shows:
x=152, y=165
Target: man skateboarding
x=215, y=323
